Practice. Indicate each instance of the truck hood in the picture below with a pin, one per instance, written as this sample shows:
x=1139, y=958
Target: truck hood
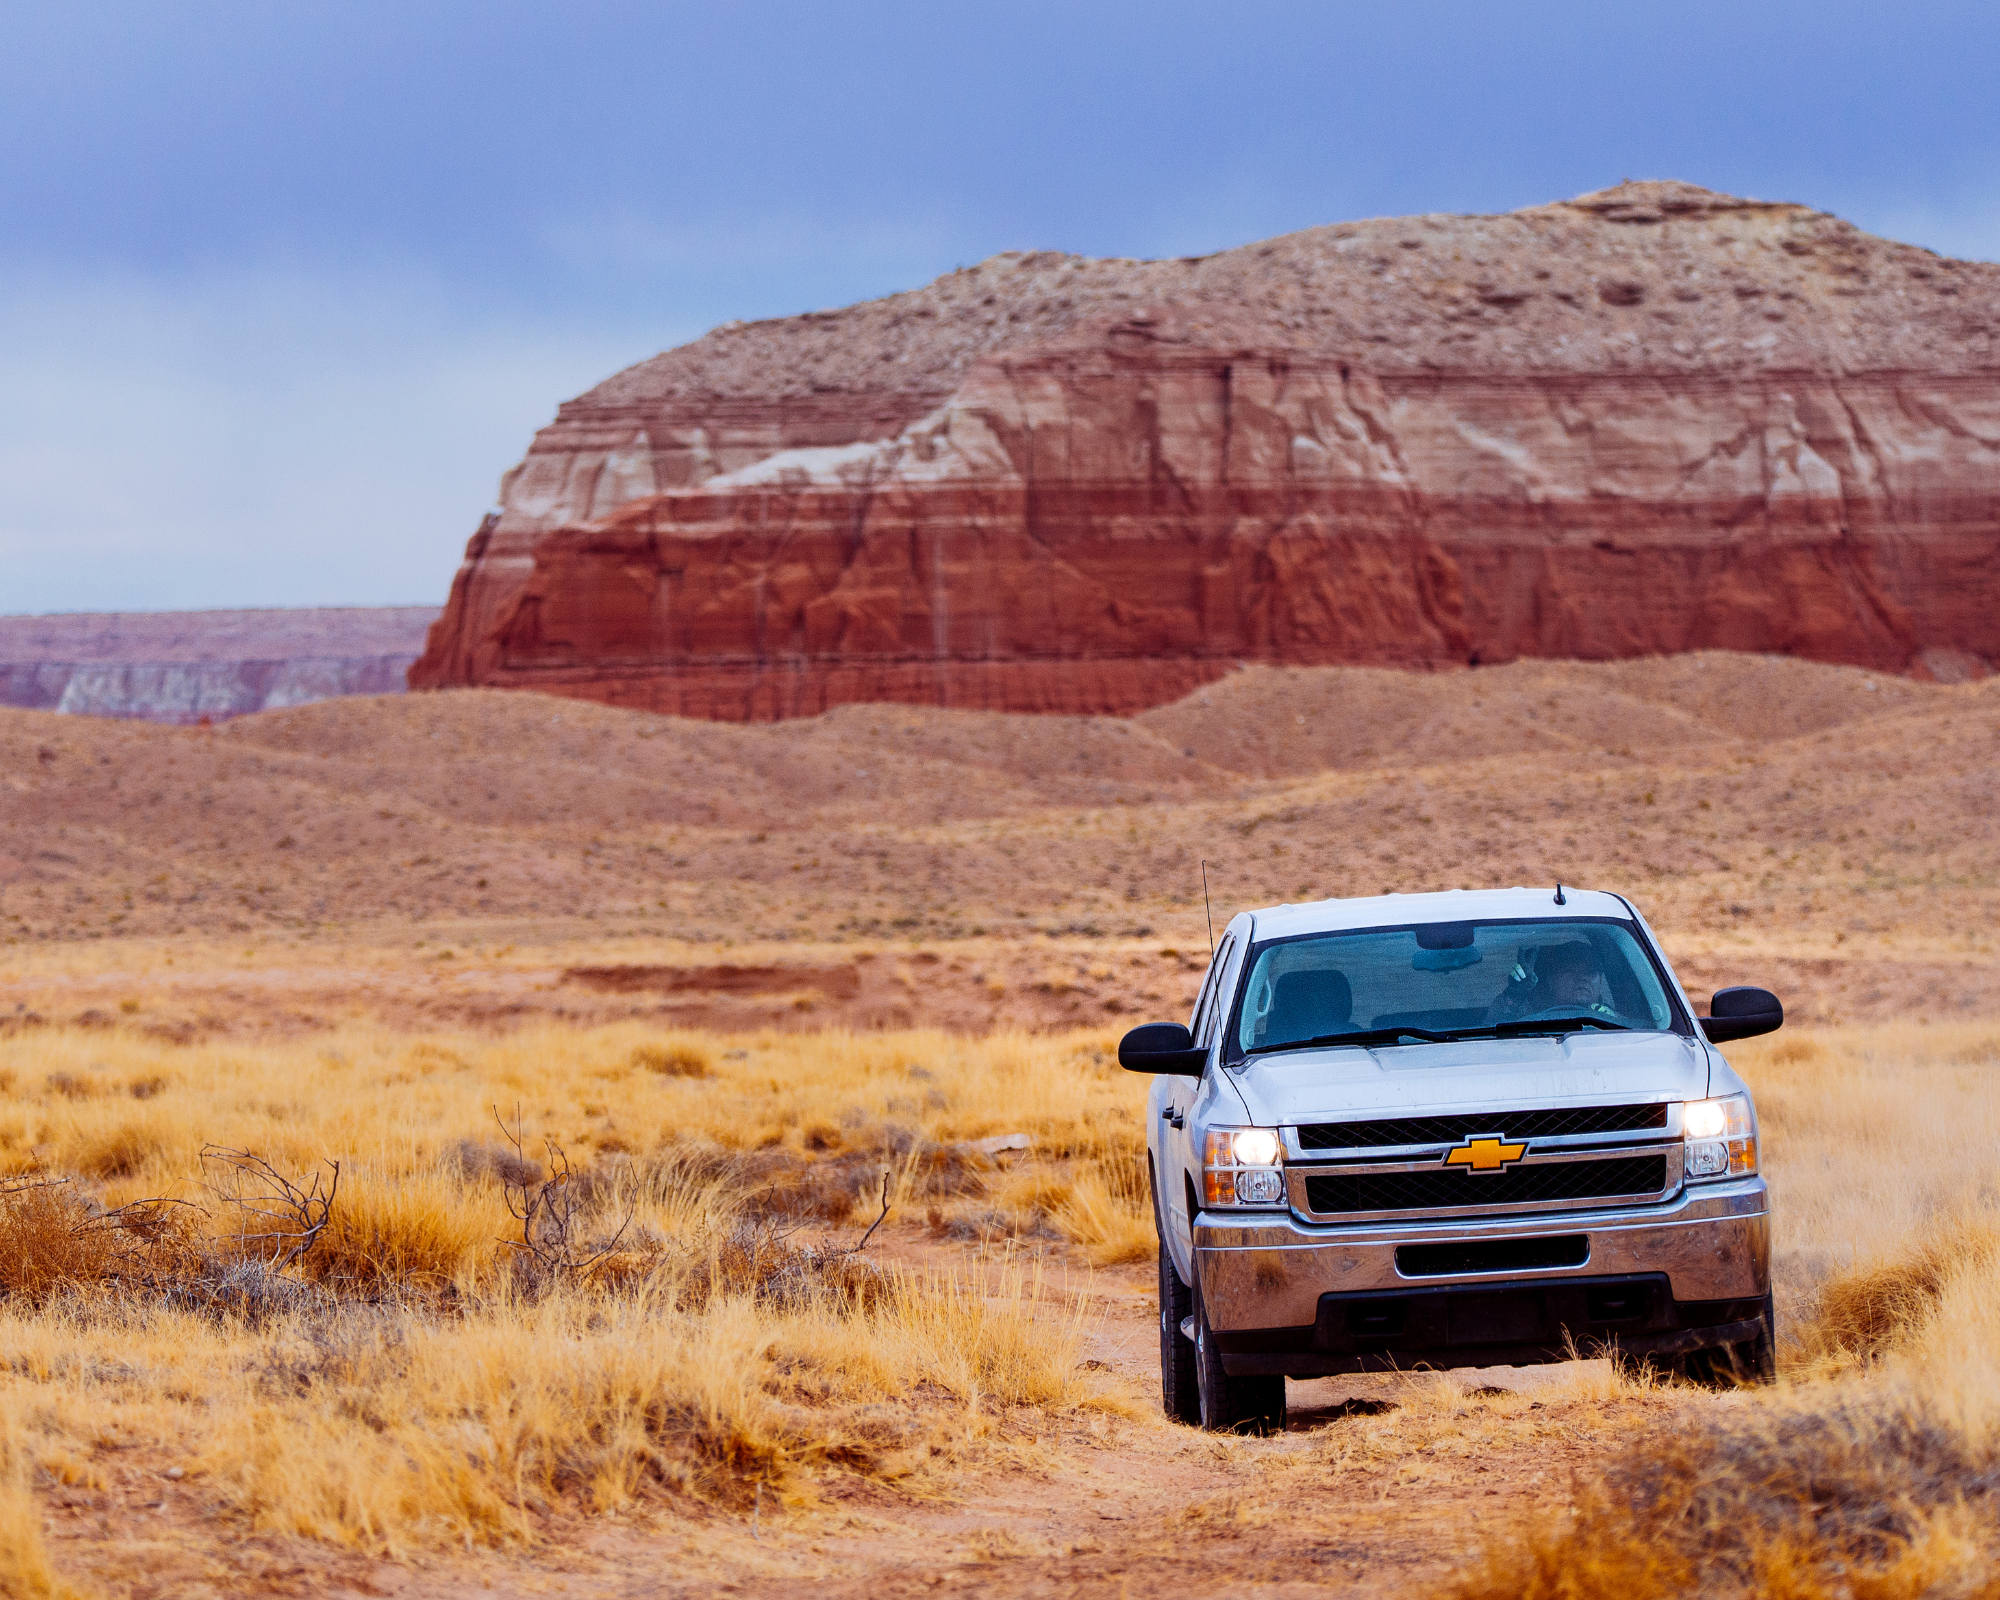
x=1349, y=1084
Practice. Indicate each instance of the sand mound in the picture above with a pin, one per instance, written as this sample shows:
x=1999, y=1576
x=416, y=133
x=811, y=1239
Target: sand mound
x=1828, y=831
x=1293, y=721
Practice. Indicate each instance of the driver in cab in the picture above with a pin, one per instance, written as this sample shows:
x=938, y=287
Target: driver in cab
x=1566, y=981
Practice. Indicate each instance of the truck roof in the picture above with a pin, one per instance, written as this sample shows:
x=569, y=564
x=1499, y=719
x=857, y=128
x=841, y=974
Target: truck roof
x=1450, y=905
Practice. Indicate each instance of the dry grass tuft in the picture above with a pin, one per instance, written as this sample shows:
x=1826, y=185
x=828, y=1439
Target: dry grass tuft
x=679, y=1059
x=1822, y=1495
x=25, y=1570
x=414, y=1233
x=1576, y=1561
x=1882, y=1304
x=118, y=1150
x=52, y=1240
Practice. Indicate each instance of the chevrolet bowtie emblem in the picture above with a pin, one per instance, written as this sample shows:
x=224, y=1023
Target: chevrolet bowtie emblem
x=1488, y=1154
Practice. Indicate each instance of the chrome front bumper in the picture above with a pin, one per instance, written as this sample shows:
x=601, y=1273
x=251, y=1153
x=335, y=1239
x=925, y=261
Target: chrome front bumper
x=1267, y=1270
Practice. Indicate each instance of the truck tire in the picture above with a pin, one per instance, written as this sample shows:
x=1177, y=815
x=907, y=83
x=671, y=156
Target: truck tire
x=1730, y=1365
x=1180, y=1396
x=1232, y=1405
x=1723, y=1366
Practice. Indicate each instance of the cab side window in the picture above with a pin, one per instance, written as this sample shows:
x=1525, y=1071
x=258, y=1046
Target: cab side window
x=1212, y=995
x=1201, y=1000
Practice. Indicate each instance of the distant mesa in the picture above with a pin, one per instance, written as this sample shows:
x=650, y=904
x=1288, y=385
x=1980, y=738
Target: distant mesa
x=1649, y=420
x=186, y=666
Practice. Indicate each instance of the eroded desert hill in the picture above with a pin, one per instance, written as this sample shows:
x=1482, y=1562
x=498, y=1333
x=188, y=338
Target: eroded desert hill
x=1654, y=419
x=187, y=666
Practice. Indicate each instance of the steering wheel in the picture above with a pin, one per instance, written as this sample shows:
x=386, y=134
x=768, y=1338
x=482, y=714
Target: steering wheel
x=1557, y=1013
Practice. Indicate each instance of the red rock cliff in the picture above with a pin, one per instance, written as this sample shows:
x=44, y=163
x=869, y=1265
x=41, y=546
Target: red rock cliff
x=1650, y=420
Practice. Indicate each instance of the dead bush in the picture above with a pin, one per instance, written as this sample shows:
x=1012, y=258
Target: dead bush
x=245, y=1292
x=778, y=1184
x=1592, y=1557
x=55, y=1239
x=553, y=1249
x=279, y=1220
x=769, y=1266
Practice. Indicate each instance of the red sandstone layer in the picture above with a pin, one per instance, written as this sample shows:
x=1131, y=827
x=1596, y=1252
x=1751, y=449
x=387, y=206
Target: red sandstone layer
x=1588, y=447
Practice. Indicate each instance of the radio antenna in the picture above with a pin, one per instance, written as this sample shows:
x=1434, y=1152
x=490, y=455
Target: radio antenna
x=1208, y=910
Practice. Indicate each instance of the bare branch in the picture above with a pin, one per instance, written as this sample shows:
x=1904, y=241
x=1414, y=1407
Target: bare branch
x=549, y=1211
x=863, y=1245
x=301, y=1214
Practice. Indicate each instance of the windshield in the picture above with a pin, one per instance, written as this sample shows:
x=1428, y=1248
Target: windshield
x=1450, y=980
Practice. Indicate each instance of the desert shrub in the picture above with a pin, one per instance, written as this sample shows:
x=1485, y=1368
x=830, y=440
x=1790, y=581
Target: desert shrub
x=691, y=1190
x=779, y=1184
x=1105, y=1225
x=480, y=1427
x=476, y=1427
x=678, y=1058
x=768, y=1266
x=981, y=1342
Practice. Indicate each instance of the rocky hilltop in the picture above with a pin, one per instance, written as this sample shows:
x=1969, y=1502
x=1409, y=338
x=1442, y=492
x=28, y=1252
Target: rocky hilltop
x=1648, y=420
x=184, y=666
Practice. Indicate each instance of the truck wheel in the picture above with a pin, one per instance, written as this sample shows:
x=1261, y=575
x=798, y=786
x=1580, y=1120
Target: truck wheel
x=1180, y=1395
x=1232, y=1405
x=1729, y=1365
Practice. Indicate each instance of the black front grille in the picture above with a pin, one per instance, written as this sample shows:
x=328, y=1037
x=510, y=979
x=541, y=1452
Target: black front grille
x=1444, y=1188
x=1563, y=1123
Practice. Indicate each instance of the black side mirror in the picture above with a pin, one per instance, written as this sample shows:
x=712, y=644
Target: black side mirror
x=1161, y=1047
x=1742, y=1014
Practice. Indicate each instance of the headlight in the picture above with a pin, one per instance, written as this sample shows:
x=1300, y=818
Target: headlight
x=1721, y=1138
x=1241, y=1167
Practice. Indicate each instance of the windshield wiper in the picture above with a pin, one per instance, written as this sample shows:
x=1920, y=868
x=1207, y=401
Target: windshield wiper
x=1366, y=1037
x=1555, y=1025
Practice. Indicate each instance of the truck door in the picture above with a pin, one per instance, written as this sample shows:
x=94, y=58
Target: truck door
x=1182, y=1161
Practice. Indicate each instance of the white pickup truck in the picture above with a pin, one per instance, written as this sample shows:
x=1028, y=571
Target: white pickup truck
x=1479, y=1128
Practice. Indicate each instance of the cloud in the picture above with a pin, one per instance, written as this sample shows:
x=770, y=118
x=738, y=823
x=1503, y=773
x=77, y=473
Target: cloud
x=264, y=437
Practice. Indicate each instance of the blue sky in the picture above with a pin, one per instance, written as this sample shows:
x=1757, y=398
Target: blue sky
x=284, y=288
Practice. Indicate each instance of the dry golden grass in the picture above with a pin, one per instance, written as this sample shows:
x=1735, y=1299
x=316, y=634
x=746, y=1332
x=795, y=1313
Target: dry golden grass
x=418, y=1376
x=25, y=1570
x=1874, y=1139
